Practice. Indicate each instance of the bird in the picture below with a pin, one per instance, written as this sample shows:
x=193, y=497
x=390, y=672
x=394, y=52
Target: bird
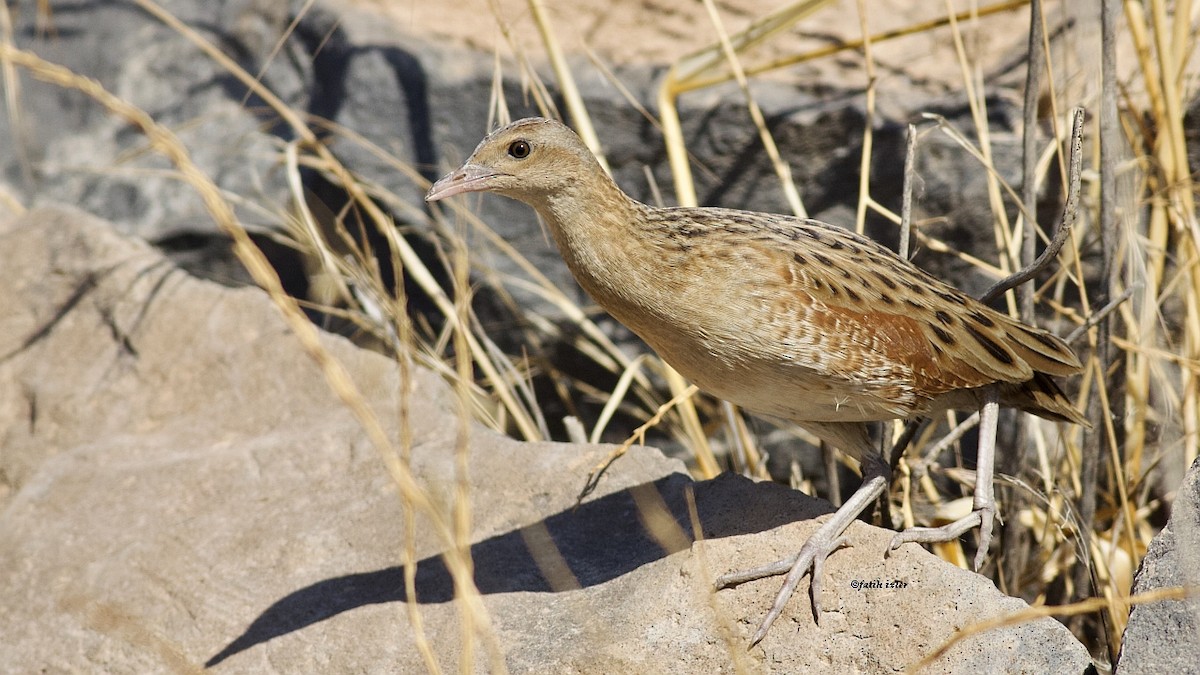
x=787, y=317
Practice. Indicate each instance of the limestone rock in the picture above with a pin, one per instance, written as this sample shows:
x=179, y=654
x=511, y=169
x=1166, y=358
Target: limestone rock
x=182, y=489
x=1164, y=637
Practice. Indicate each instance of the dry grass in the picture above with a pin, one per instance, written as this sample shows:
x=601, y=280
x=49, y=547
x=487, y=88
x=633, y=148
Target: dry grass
x=1143, y=362
x=1151, y=366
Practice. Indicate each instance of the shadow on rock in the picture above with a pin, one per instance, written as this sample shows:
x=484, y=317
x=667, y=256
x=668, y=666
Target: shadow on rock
x=600, y=540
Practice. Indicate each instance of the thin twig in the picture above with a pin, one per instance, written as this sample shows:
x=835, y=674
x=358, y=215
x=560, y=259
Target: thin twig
x=1100, y=315
x=927, y=457
x=1063, y=231
x=1036, y=61
x=782, y=170
x=910, y=171
x=566, y=83
x=910, y=431
x=1038, y=612
x=868, y=142
x=737, y=444
x=593, y=478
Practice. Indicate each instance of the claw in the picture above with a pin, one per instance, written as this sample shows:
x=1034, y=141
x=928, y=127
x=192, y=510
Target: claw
x=818, y=576
x=811, y=557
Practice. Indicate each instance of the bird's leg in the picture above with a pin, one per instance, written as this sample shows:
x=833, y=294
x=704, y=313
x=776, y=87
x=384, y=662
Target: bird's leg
x=985, y=505
x=811, y=557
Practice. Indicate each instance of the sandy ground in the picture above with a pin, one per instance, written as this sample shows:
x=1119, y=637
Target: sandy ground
x=661, y=31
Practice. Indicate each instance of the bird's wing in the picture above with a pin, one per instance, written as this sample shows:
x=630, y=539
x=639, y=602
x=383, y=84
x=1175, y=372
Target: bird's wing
x=860, y=294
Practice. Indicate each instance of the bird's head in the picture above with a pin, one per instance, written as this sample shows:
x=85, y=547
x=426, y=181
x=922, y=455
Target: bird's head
x=531, y=160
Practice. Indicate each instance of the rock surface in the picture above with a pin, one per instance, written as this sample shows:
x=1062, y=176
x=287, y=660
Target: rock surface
x=182, y=489
x=1164, y=637
x=419, y=93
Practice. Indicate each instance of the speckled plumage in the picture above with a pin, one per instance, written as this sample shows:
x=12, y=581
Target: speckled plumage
x=785, y=316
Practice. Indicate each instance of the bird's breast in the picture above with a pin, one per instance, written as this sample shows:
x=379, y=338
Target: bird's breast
x=806, y=376
x=729, y=316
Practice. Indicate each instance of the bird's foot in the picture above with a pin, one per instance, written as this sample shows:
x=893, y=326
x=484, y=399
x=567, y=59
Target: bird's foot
x=810, y=558
x=983, y=516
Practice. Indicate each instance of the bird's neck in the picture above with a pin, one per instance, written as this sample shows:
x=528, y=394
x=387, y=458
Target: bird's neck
x=599, y=231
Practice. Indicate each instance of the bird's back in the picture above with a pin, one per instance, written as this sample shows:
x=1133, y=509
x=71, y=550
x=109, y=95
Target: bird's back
x=810, y=322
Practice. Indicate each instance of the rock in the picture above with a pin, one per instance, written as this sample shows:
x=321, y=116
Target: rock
x=421, y=97
x=67, y=148
x=182, y=490
x=1164, y=637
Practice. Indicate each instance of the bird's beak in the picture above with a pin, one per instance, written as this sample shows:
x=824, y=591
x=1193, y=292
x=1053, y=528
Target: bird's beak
x=467, y=178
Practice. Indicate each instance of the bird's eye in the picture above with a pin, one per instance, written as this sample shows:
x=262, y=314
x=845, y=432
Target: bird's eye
x=519, y=149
